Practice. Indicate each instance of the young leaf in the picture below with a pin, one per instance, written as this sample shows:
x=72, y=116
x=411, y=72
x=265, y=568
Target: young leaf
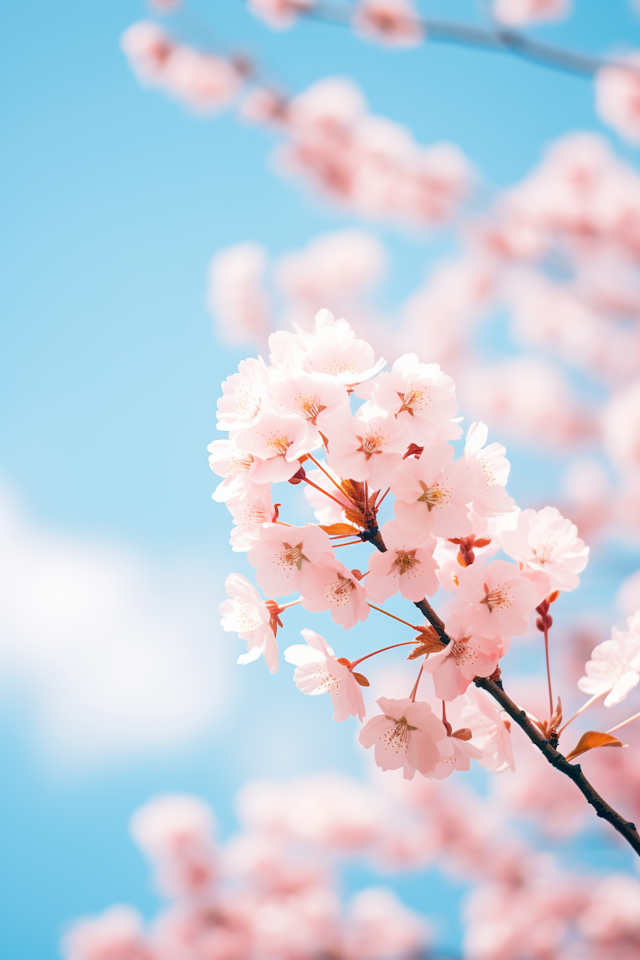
x=592, y=739
x=340, y=529
x=361, y=679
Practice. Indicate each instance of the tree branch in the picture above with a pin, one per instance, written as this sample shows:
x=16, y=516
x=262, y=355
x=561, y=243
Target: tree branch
x=553, y=756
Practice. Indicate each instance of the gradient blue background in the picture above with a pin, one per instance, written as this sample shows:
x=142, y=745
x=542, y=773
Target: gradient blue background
x=113, y=201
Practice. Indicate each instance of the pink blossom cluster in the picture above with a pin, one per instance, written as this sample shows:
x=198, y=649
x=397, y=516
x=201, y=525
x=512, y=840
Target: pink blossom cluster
x=204, y=82
x=295, y=420
x=259, y=896
x=392, y=22
x=270, y=890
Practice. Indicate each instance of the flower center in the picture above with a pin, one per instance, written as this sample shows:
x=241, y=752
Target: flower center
x=371, y=444
x=294, y=556
x=412, y=400
x=246, y=404
x=279, y=443
x=236, y=466
x=309, y=407
x=247, y=617
x=433, y=496
x=497, y=598
x=339, y=365
x=544, y=552
x=340, y=591
x=398, y=736
x=327, y=681
x=461, y=653
x=404, y=561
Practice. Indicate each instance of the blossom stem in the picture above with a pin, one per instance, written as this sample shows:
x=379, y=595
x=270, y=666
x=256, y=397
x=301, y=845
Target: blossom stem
x=382, y=498
x=546, y=654
x=326, y=492
x=414, y=692
x=354, y=663
x=392, y=615
x=624, y=723
x=284, y=606
x=327, y=474
x=581, y=710
x=347, y=544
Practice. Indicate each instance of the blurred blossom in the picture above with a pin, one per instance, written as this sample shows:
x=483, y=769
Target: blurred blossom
x=618, y=96
x=519, y=13
x=394, y=22
x=236, y=295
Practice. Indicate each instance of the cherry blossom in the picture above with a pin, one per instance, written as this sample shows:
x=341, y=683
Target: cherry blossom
x=420, y=396
x=326, y=510
x=614, y=667
x=346, y=360
x=618, y=97
x=318, y=671
x=490, y=471
x=395, y=22
x=319, y=402
x=497, y=598
x=246, y=614
x=285, y=555
x=276, y=443
x=238, y=467
x=279, y=14
x=408, y=566
x=432, y=493
x=368, y=446
x=243, y=394
x=379, y=925
x=405, y=737
x=456, y=753
x=331, y=586
x=118, y=932
x=545, y=540
x=236, y=296
x=466, y=657
x=518, y=13
x=491, y=730
x=249, y=515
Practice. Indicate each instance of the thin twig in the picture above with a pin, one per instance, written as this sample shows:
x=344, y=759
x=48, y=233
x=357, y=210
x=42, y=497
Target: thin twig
x=414, y=692
x=546, y=654
x=326, y=492
x=624, y=723
x=354, y=663
x=581, y=710
x=334, y=482
x=393, y=616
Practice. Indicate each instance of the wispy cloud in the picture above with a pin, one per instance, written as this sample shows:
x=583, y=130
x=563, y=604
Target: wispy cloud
x=111, y=654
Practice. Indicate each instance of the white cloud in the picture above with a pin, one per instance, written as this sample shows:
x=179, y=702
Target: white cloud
x=112, y=655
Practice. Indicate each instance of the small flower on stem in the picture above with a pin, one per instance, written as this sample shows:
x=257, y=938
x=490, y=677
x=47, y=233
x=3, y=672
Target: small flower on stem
x=318, y=671
x=247, y=614
x=405, y=737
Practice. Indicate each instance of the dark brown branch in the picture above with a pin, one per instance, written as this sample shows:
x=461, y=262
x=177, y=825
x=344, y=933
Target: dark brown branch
x=497, y=40
x=556, y=759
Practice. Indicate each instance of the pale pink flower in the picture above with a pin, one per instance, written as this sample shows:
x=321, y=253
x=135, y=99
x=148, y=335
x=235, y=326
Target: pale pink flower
x=242, y=395
x=404, y=737
x=618, y=97
x=236, y=296
x=169, y=825
x=491, y=730
x=408, y=565
x=432, y=493
x=178, y=833
x=349, y=361
x=117, y=934
x=329, y=585
x=620, y=420
x=496, y=599
x=519, y=13
x=325, y=509
x=249, y=515
x=455, y=754
x=205, y=82
x=469, y=655
x=284, y=555
x=197, y=929
x=420, y=396
x=238, y=468
x=380, y=926
x=147, y=48
x=320, y=402
x=332, y=267
x=545, y=540
x=368, y=446
x=287, y=354
x=247, y=614
x=279, y=14
x=276, y=443
x=614, y=667
x=395, y=22
x=318, y=671
x=490, y=472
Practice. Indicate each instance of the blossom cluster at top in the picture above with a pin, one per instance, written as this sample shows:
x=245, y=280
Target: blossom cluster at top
x=295, y=421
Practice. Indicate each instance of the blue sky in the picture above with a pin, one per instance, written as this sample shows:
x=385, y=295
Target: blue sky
x=113, y=201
